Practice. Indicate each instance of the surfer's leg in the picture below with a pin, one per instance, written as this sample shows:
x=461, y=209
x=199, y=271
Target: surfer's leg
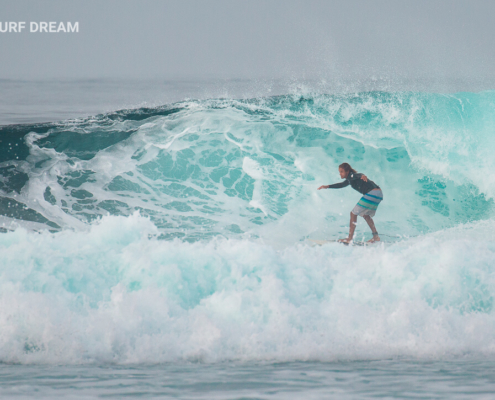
x=352, y=227
x=371, y=224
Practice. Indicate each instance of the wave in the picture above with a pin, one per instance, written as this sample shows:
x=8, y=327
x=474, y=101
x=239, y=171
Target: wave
x=179, y=232
x=200, y=169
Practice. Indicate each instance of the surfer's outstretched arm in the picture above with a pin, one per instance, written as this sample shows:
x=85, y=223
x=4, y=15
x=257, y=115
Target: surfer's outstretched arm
x=335, y=185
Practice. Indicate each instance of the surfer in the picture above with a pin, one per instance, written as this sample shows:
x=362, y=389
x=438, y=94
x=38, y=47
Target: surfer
x=366, y=206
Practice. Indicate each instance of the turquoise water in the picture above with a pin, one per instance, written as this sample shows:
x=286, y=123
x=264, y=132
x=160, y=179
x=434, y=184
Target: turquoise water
x=244, y=169
x=177, y=236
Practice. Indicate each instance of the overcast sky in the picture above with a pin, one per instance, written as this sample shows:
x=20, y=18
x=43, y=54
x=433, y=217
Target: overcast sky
x=252, y=39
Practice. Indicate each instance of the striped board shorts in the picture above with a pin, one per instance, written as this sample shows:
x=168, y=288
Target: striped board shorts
x=368, y=203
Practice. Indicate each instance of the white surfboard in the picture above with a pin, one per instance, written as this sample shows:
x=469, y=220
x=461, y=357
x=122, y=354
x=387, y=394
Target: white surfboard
x=354, y=243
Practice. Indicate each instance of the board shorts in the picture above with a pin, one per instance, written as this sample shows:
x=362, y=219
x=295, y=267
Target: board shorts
x=368, y=204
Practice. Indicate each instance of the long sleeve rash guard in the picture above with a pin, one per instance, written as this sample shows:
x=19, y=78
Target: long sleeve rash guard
x=354, y=179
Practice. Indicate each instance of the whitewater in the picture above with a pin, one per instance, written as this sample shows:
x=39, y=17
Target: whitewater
x=179, y=235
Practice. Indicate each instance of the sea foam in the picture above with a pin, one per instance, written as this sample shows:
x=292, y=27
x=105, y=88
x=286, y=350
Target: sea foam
x=116, y=293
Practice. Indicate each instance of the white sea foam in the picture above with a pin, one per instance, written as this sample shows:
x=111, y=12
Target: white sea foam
x=117, y=294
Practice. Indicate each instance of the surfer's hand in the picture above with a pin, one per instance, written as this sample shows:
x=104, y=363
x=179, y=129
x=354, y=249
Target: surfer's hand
x=364, y=178
x=323, y=187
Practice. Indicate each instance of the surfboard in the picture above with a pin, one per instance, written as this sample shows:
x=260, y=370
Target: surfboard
x=354, y=243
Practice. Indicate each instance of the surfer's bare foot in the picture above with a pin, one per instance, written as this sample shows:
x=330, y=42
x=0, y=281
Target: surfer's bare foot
x=375, y=238
x=346, y=240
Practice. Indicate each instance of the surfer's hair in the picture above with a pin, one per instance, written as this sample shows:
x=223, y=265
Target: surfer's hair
x=346, y=167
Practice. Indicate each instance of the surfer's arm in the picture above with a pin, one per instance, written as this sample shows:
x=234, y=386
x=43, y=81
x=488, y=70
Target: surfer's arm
x=335, y=185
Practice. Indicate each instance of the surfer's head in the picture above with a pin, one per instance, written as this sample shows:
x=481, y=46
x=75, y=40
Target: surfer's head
x=344, y=170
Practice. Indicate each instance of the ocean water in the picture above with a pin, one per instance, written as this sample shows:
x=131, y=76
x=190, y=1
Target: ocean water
x=163, y=250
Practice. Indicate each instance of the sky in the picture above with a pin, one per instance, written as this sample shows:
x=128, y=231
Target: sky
x=149, y=39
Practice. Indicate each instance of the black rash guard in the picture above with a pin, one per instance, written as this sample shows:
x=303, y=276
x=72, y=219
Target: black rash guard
x=354, y=179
